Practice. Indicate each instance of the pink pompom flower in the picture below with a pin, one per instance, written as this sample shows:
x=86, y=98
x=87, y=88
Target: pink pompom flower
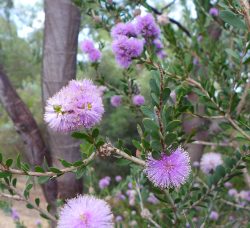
x=170, y=170
x=77, y=105
x=138, y=100
x=85, y=211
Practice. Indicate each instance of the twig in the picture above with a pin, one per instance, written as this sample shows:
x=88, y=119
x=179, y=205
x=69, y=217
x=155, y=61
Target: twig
x=45, y=174
x=149, y=215
x=234, y=205
x=156, y=11
x=127, y=156
x=21, y=197
x=229, y=144
x=12, y=197
x=245, y=8
x=243, y=97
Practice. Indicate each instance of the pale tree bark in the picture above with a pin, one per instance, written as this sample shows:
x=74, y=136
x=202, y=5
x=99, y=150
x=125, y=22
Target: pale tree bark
x=62, y=21
x=35, y=149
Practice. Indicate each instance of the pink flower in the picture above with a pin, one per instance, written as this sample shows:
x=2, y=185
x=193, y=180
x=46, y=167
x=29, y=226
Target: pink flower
x=104, y=182
x=138, y=100
x=77, y=105
x=116, y=101
x=170, y=170
x=210, y=161
x=85, y=212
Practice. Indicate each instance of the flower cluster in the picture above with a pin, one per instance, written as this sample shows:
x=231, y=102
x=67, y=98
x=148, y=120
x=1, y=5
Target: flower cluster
x=77, y=105
x=169, y=171
x=126, y=49
x=88, y=47
x=127, y=45
x=147, y=27
x=85, y=211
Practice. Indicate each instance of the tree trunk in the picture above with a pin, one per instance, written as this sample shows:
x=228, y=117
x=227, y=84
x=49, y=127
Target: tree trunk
x=35, y=148
x=62, y=21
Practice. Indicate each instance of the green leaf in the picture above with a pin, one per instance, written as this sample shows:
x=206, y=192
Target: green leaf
x=42, y=180
x=55, y=170
x=173, y=124
x=81, y=135
x=170, y=138
x=166, y=94
x=27, y=190
x=148, y=112
x=123, y=162
x=154, y=87
x=232, y=19
x=18, y=161
x=65, y=163
x=37, y=201
x=39, y=169
x=80, y=171
x=9, y=162
x=150, y=125
x=137, y=144
x=4, y=174
x=95, y=133
x=28, y=205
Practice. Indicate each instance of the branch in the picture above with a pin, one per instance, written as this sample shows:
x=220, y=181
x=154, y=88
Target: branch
x=156, y=11
x=243, y=97
x=105, y=149
x=19, y=196
x=12, y=197
x=245, y=7
x=234, y=205
x=108, y=148
x=229, y=144
x=45, y=174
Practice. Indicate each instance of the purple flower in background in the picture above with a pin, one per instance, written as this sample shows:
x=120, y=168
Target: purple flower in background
x=196, y=164
x=196, y=61
x=159, y=49
x=131, y=197
x=130, y=185
x=38, y=223
x=228, y=185
x=147, y=26
x=116, y=100
x=244, y=195
x=232, y=192
x=214, y=12
x=214, y=215
x=161, y=54
x=152, y=199
x=95, y=55
x=104, y=182
x=120, y=196
x=199, y=38
x=125, y=49
x=210, y=161
x=102, y=90
x=118, y=218
x=170, y=170
x=138, y=100
x=77, y=105
x=14, y=214
x=118, y=178
x=124, y=29
x=158, y=44
x=85, y=211
x=88, y=47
